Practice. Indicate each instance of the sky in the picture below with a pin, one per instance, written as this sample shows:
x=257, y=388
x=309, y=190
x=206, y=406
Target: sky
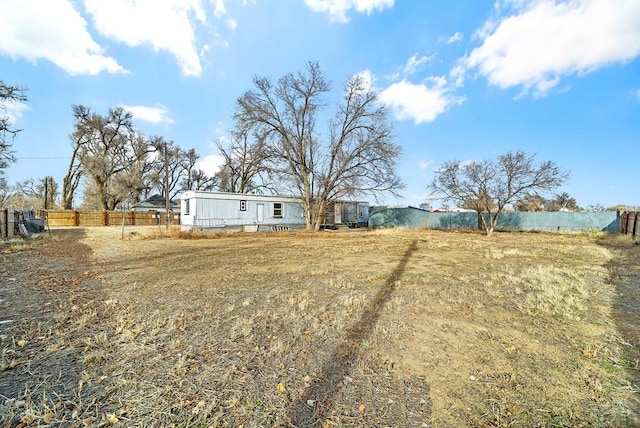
x=463, y=79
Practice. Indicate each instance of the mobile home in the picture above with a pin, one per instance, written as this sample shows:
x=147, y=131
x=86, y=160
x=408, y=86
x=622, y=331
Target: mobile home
x=208, y=210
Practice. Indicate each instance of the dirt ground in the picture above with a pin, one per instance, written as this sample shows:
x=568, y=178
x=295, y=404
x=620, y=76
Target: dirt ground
x=349, y=328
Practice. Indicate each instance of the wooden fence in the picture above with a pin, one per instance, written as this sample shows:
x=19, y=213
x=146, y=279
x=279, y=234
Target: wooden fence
x=630, y=224
x=108, y=218
x=7, y=219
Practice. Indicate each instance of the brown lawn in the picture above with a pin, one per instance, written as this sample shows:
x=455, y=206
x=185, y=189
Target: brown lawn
x=350, y=328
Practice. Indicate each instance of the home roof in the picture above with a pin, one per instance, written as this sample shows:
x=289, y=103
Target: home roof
x=155, y=201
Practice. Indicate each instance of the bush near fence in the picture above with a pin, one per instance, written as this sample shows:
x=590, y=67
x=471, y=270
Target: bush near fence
x=108, y=218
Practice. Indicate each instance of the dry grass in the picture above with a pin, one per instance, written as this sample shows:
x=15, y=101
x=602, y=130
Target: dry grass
x=383, y=328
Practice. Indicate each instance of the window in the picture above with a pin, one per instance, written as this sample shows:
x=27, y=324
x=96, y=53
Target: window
x=277, y=209
x=185, y=209
x=243, y=205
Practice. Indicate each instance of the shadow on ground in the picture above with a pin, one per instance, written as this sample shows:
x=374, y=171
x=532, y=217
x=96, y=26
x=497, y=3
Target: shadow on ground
x=44, y=287
x=317, y=403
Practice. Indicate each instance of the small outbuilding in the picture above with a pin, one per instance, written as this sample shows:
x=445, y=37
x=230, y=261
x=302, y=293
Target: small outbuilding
x=156, y=203
x=348, y=213
x=209, y=210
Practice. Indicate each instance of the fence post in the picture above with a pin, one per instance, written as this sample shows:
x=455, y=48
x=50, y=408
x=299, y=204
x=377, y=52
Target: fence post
x=133, y=218
x=635, y=226
x=76, y=218
x=105, y=218
x=5, y=222
x=627, y=219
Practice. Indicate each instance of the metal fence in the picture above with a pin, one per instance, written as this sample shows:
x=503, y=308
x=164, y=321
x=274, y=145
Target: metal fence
x=606, y=221
x=20, y=222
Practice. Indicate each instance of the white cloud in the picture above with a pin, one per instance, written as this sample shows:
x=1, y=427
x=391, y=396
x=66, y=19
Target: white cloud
x=367, y=79
x=219, y=10
x=12, y=110
x=337, y=9
x=457, y=74
x=425, y=164
x=232, y=24
x=637, y=93
x=210, y=164
x=455, y=38
x=414, y=63
x=419, y=102
x=167, y=26
x=412, y=66
x=52, y=30
x=156, y=114
x=545, y=40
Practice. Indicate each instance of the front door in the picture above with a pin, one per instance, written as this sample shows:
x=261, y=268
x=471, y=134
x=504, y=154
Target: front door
x=260, y=213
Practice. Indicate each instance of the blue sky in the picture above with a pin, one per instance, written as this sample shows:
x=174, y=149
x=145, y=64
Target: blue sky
x=465, y=79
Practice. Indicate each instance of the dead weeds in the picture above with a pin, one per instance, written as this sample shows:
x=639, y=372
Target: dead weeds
x=384, y=328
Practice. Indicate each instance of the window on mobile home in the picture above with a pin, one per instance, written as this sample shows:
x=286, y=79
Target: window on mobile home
x=185, y=210
x=277, y=209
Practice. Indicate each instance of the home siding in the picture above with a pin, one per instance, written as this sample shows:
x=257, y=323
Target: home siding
x=224, y=210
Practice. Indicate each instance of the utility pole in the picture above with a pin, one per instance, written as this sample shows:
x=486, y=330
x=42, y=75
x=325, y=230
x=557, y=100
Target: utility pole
x=166, y=184
x=46, y=192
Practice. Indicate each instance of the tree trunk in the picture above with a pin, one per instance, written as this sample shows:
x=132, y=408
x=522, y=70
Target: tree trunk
x=67, y=194
x=494, y=222
x=306, y=208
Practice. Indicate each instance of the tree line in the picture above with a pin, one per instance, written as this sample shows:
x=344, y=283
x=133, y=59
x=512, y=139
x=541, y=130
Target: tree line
x=279, y=144
x=121, y=166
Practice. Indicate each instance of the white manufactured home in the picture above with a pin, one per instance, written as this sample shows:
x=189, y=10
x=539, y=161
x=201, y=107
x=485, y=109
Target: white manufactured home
x=204, y=210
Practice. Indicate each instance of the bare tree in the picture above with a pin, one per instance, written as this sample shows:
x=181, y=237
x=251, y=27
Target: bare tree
x=245, y=165
x=530, y=202
x=6, y=191
x=173, y=160
x=50, y=190
x=34, y=193
x=74, y=175
x=196, y=178
x=8, y=94
x=30, y=188
x=357, y=156
x=110, y=153
x=90, y=197
x=132, y=183
x=488, y=186
x=534, y=202
x=199, y=180
x=190, y=159
x=562, y=202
